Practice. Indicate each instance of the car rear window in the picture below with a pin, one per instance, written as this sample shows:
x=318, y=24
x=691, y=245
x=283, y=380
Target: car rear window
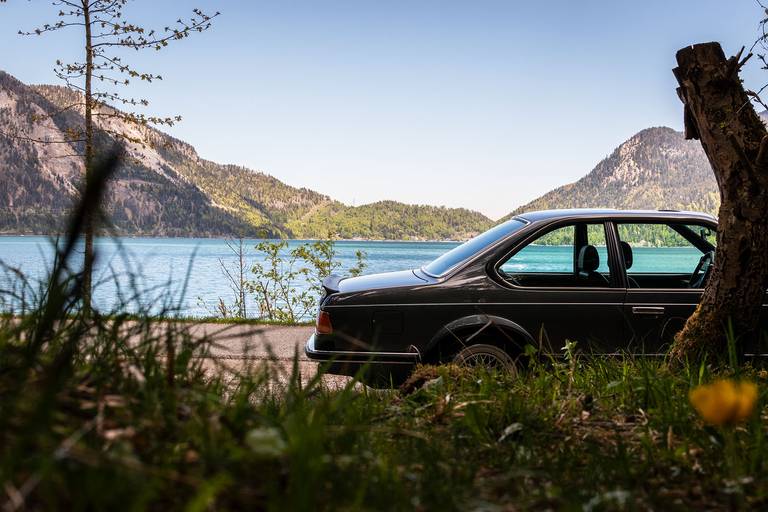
x=455, y=256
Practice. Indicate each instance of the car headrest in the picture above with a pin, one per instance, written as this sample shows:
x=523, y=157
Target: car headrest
x=589, y=259
x=626, y=251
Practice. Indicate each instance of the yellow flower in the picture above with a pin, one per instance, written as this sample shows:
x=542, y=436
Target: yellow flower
x=724, y=401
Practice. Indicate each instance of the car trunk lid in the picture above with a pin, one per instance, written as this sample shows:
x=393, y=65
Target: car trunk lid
x=378, y=281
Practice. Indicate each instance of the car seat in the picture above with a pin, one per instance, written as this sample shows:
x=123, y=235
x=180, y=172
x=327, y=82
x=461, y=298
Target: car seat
x=588, y=263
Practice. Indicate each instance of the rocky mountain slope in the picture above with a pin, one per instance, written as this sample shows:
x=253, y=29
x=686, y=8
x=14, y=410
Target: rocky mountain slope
x=165, y=188
x=655, y=169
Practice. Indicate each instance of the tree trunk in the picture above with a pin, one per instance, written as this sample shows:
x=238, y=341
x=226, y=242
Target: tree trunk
x=719, y=113
x=89, y=153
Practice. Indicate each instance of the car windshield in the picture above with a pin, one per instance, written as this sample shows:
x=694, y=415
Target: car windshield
x=449, y=260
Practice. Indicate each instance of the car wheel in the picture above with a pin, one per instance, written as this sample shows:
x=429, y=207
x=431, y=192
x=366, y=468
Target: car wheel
x=487, y=356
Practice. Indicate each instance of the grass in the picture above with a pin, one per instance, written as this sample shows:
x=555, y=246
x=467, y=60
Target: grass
x=235, y=320
x=229, y=320
x=196, y=320
x=126, y=416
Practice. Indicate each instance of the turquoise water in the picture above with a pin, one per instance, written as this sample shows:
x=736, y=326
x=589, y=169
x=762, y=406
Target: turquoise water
x=186, y=272
x=549, y=258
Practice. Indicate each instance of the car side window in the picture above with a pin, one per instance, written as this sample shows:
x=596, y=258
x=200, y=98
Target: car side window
x=550, y=253
x=666, y=255
x=574, y=255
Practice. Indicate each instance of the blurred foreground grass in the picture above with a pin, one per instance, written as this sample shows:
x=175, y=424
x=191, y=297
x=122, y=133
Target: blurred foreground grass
x=112, y=415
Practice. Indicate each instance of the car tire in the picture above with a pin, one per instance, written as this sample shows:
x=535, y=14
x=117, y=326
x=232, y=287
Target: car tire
x=488, y=356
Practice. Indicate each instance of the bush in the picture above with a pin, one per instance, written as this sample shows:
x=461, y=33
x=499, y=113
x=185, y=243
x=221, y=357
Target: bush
x=286, y=283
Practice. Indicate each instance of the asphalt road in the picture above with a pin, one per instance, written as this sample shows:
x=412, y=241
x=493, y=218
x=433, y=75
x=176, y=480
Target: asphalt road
x=241, y=341
x=238, y=346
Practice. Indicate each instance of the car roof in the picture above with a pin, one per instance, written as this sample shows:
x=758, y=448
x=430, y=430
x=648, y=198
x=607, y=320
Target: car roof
x=607, y=213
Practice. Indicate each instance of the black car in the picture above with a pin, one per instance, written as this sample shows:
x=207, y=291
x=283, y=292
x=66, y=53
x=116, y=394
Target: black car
x=609, y=280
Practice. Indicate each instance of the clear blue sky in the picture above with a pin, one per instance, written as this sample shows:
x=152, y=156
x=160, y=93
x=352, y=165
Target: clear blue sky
x=479, y=104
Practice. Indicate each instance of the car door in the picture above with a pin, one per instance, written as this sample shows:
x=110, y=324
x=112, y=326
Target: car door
x=659, y=259
x=557, y=296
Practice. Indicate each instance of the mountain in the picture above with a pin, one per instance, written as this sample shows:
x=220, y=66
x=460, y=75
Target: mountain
x=164, y=188
x=655, y=169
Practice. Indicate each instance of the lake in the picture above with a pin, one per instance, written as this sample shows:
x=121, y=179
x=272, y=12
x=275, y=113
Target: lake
x=187, y=271
x=158, y=267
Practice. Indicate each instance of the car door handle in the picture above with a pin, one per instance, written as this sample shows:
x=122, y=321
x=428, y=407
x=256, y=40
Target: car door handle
x=648, y=310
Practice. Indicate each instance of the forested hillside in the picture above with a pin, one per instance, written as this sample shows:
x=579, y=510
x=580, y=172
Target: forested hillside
x=389, y=219
x=165, y=188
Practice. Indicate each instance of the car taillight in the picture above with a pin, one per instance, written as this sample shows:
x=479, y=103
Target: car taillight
x=323, y=325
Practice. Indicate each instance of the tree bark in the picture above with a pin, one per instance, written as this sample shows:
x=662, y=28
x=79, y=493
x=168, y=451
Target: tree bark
x=719, y=113
x=89, y=154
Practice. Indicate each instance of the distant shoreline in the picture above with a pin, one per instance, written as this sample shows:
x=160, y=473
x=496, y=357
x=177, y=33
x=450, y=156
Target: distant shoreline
x=168, y=237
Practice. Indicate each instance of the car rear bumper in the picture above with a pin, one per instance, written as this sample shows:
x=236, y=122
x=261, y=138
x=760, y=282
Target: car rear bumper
x=348, y=356
x=378, y=369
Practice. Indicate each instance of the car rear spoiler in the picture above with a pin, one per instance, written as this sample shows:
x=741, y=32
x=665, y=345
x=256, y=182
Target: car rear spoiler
x=331, y=283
